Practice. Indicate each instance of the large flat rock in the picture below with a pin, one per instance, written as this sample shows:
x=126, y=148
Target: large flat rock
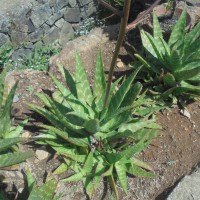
x=188, y=188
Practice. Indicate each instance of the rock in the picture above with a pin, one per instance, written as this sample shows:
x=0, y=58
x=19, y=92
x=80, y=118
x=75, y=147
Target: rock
x=72, y=15
x=41, y=14
x=188, y=188
x=41, y=154
x=3, y=39
x=84, y=2
x=72, y=3
x=21, y=53
x=4, y=23
x=66, y=34
x=60, y=4
x=54, y=18
x=193, y=2
x=60, y=23
x=26, y=134
x=87, y=46
x=15, y=99
x=185, y=113
x=89, y=10
x=18, y=37
x=120, y=64
x=36, y=36
x=52, y=35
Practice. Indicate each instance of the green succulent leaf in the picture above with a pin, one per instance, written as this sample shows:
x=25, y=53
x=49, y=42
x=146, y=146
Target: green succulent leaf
x=169, y=80
x=186, y=74
x=99, y=80
x=47, y=190
x=178, y=31
x=137, y=171
x=9, y=142
x=69, y=80
x=64, y=135
x=9, y=159
x=192, y=36
x=82, y=85
x=118, y=98
x=92, y=126
x=121, y=173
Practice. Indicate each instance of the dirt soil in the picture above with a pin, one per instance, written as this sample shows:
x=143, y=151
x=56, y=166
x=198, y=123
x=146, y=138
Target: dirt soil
x=173, y=154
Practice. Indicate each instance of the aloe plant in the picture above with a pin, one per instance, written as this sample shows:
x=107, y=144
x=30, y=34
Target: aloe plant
x=96, y=141
x=9, y=136
x=173, y=66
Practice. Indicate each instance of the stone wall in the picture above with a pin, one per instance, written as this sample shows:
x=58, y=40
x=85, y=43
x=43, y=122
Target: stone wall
x=26, y=23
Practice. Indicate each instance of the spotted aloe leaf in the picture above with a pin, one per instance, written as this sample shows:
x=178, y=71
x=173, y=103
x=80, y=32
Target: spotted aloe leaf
x=69, y=80
x=178, y=32
x=8, y=159
x=82, y=85
x=121, y=173
x=118, y=98
x=99, y=79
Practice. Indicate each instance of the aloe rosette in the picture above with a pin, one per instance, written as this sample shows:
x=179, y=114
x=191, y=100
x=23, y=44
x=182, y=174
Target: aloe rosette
x=95, y=141
x=174, y=64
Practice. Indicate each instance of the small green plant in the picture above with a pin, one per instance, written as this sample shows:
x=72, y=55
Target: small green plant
x=173, y=67
x=5, y=53
x=96, y=141
x=30, y=89
x=9, y=136
x=39, y=59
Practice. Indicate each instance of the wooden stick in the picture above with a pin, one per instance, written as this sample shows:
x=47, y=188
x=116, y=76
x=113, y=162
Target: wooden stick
x=122, y=31
x=108, y=6
x=141, y=16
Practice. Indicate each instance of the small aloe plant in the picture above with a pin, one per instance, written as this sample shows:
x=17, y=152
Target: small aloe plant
x=174, y=66
x=96, y=141
x=9, y=136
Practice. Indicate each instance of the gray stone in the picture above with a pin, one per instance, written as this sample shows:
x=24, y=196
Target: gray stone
x=40, y=15
x=88, y=11
x=36, y=36
x=84, y=2
x=3, y=39
x=54, y=18
x=41, y=154
x=193, y=2
x=51, y=3
x=22, y=28
x=21, y=53
x=52, y=35
x=31, y=27
x=60, y=4
x=72, y=3
x=21, y=11
x=46, y=28
x=38, y=44
x=72, y=15
x=60, y=23
x=42, y=1
x=188, y=188
x=4, y=23
x=18, y=38
x=66, y=34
